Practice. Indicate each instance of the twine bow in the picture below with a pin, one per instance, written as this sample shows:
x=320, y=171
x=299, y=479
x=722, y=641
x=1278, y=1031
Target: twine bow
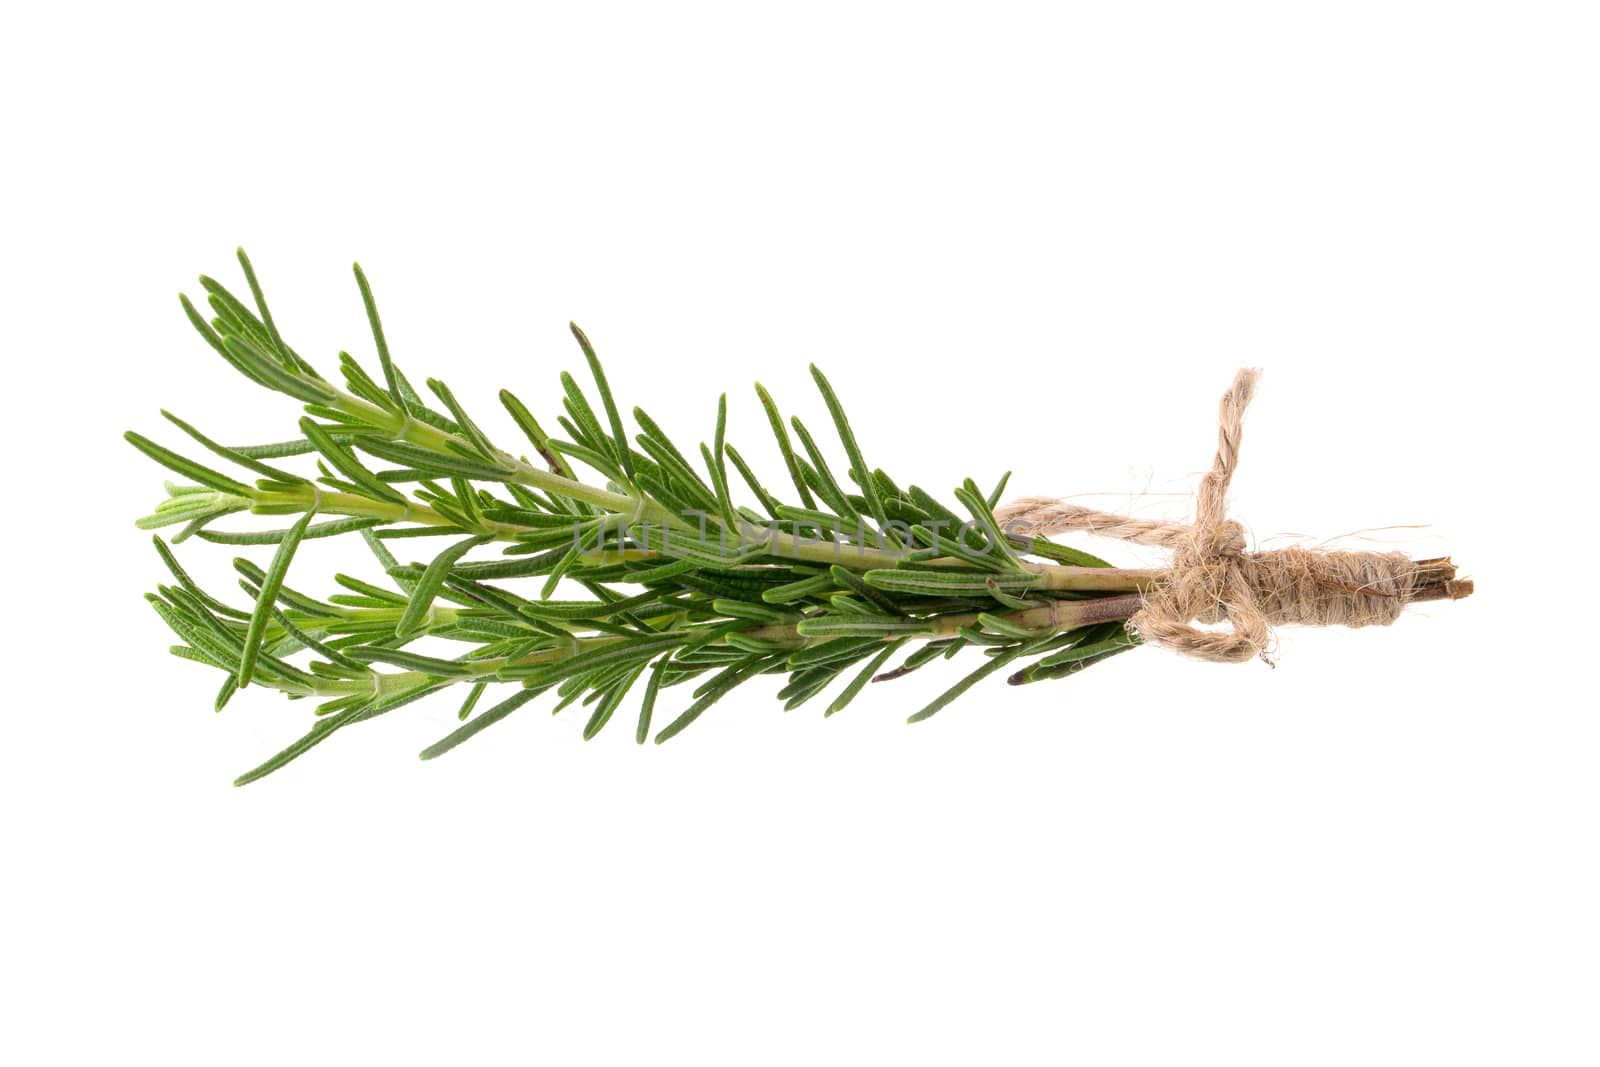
x=1213, y=577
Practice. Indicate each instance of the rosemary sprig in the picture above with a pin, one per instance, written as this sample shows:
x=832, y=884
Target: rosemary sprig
x=685, y=586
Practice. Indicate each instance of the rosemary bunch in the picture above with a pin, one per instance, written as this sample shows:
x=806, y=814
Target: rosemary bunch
x=683, y=586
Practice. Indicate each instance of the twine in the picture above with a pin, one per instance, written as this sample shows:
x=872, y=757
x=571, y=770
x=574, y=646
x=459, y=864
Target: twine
x=1213, y=577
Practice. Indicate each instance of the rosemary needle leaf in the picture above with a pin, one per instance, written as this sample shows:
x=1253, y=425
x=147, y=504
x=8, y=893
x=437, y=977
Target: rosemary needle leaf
x=469, y=429
x=713, y=691
x=412, y=661
x=768, y=501
x=821, y=477
x=319, y=733
x=268, y=325
x=608, y=703
x=472, y=700
x=784, y=447
x=647, y=708
x=858, y=466
x=993, y=499
x=233, y=454
x=187, y=467
x=273, y=537
x=719, y=483
x=267, y=597
x=859, y=682
x=618, y=434
x=472, y=727
x=432, y=580
x=389, y=375
x=345, y=462
x=216, y=606
x=966, y=683
x=535, y=433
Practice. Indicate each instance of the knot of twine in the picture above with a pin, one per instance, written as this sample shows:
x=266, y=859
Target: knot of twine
x=1213, y=577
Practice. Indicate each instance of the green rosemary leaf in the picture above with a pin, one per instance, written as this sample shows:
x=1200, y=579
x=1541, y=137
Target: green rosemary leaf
x=790, y=592
x=469, y=429
x=861, y=625
x=257, y=578
x=719, y=687
x=600, y=461
x=360, y=383
x=1015, y=603
x=937, y=512
x=240, y=321
x=319, y=733
x=995, y=545
x=389, y=375
x=1098, y=645
x=647, y=707
x=437, y=464
x=719, y=485
x=584, y=425
x=270, y=586
x=472, y=700
x=283, y=449
x=412, y=661
x=207, y=331
x=608, y=703
x=1046, y=549
x=847, y=579
x=859, y=470
x=997, y=624
x=272, y=537
x=271, y=373
x=602, y=655
x=803, y=687
x=929, y=582
x=429, y=584
x=653, y=430
x=831, y=649
x=535, y=434
x=289, y=354
x=377, y=595
x=784, y=447
x=233, y=454
x=578, y=610
x=345, y=462
x=768, y=501
x=420, y=411
x=564, y=564
x=745, y=609
x=193, y=589
x=943, y=700
x=676, y=468
x=821, y=477
x=922, y=656
x=859, y=682
x=475, y=726
x=188, y=467
x=325, y=728
x=333, y=655
x=992, y=501
x=618, y=435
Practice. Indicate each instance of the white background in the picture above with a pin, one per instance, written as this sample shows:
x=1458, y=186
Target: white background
x=1038, y=238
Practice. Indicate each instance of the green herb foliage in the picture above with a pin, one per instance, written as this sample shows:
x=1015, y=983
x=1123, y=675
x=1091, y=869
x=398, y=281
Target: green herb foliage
x=682, y=585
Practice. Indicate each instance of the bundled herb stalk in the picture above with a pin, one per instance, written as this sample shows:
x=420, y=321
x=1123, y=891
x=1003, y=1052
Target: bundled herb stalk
x=685, y=590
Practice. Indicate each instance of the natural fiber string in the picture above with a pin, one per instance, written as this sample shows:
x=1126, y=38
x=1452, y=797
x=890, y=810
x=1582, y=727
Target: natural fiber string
x=1213, y=577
